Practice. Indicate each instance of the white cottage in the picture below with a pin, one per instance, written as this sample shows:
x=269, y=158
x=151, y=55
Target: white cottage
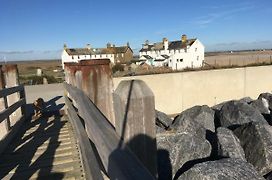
x=121, y=54
x=185, y=53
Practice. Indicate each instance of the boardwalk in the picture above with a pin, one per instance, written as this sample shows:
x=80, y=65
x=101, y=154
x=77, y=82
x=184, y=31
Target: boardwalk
x=45, y=149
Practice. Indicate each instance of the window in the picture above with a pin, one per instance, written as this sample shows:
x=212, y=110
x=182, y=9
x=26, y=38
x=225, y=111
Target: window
x=72, y=57
x=197, y=58
x=195, y=49
x=101, y=55
x=170, y=60
x=85, y=56
x=177, y=60
x=78, y=57
x=181, y=60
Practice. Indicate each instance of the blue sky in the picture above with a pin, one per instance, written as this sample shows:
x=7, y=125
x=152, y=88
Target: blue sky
x=37, y=29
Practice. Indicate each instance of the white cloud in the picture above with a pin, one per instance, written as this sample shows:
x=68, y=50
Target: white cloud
x=223, y=12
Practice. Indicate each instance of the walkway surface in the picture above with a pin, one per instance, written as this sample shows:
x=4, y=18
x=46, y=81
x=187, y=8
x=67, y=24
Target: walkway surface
x=43, y=149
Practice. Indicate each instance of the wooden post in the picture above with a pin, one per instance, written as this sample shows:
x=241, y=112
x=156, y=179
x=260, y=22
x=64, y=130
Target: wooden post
x=11, y=78
x=70, y=70
x=97, y=84
x=135, y=121
x=5, y=125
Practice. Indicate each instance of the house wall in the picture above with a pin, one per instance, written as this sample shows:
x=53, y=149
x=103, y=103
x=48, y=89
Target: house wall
x=124, y=57
x=65, y=57
x=128, y=55
x=175, y=92
x=103, y=56
x=192, y=58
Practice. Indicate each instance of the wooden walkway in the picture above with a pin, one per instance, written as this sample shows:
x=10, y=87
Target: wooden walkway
x=43, y=149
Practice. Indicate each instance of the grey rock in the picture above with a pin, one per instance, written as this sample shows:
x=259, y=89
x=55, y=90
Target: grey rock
x=182, y=147
x=218, y=107
x=246, y=100
x=229, y=144
x=243, y=100
x=268, y=97
x=262, y=105
x=201, y=114
x=256, y=140
x=235, y=113
x=223, y=169
x=162, y=121
x=188, y=126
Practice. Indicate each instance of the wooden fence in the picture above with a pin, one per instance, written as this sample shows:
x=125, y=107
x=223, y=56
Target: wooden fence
x=10, y=130
x=119, y=162
x=122, y=149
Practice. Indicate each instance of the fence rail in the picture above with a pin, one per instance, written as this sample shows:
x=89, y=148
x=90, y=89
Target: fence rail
x=118, y=162
x=5, y=114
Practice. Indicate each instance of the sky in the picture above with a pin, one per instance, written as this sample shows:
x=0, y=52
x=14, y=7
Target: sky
x=37, y=29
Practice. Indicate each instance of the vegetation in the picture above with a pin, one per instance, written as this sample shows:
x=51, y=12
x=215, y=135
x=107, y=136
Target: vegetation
x=34, y=79
x=117, y=67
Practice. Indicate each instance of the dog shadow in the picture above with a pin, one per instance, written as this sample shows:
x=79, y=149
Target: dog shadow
x=50, y=108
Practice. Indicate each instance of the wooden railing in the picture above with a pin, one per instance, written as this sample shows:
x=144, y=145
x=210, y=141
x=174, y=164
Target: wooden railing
x=99, y=143
x=8, y=113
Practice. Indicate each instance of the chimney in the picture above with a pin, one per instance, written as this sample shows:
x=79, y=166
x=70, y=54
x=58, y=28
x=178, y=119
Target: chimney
x=146, y=42
x=183, y=39
x=64, y=46
x=165, y=43
x=88, y=46
x=108, y=45
x=113, y=45
x=127, y=44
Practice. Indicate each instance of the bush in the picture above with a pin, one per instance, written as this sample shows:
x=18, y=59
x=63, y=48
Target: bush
x=32, y=80
x=117, y=67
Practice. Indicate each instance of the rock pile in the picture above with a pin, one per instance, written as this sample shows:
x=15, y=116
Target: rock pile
x=232, y=140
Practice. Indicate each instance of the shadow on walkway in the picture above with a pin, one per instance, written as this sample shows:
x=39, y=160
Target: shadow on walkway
x=31, y=153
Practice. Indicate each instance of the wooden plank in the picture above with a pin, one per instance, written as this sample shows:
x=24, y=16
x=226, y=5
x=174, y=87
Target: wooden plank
x=91, y=166
x=8, y=91
x=11, y=134
x=7, y=112
x=119, y=162
x=7, y=122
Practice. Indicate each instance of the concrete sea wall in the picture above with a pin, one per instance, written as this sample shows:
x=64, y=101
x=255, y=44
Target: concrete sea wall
x=175, y=92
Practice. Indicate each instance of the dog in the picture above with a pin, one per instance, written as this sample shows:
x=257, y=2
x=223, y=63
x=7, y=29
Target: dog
x=39, y=106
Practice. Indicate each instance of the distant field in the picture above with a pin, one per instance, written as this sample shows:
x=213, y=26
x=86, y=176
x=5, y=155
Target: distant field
x=27, y=69
x=52, y=68
x=238, y=58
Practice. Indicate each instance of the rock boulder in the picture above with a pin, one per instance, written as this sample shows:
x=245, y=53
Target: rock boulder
x=162, y=121
x=182, y=147
x=268, y=97
x=229, y=144
x=200, y=114
x=235, y=113
x=228, y=168
x=262, y=105
x=256, y=140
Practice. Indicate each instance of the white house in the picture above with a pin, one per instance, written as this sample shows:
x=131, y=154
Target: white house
x=175, y=54
x=121, y=54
